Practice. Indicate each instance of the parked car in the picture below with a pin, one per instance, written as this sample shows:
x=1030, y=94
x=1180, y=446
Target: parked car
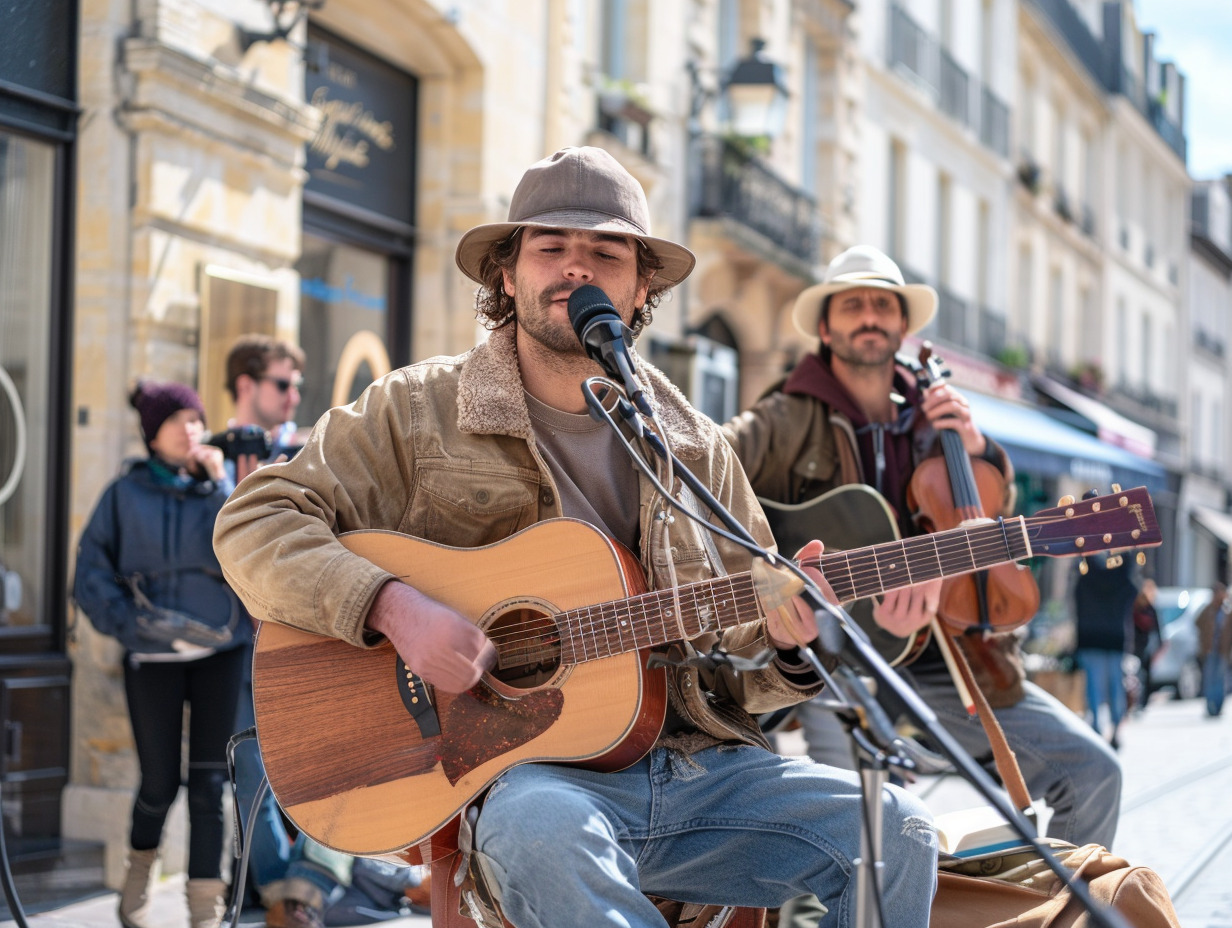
x=1175, y=662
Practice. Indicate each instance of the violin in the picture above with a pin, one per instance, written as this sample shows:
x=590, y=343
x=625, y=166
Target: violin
x=953, y=490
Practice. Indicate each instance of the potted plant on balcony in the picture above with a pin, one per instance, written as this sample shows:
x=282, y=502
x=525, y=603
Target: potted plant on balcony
x=620, y=98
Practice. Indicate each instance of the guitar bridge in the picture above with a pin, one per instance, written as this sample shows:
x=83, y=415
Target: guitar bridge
x=415, y=698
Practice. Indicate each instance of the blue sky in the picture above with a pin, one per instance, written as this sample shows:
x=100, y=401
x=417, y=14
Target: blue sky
x=1197, y=36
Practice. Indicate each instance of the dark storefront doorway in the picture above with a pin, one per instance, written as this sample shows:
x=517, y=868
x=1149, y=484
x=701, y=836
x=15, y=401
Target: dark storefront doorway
x=359, y=209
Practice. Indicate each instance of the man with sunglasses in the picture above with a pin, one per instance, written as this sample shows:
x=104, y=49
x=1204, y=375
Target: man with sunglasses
x=295, y=879
x=264, y=375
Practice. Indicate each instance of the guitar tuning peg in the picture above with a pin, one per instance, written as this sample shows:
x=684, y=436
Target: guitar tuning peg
x=1090, y=494
x=1141, y=558
x=1116, y=488
x=1114, y=561
x=1083, y=567
x=1066, y=500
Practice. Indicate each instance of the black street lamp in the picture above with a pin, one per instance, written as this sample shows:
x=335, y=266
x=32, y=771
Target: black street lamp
x=299, y=9
x=754, y=94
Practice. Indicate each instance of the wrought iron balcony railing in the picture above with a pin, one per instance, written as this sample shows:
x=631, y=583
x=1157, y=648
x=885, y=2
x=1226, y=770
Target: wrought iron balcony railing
x=729, y=182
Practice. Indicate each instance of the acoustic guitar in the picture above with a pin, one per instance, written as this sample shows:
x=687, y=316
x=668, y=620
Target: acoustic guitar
x=850, y=516
x=367, y=759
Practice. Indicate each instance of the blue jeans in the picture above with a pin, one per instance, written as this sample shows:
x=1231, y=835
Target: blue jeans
x=1063, y=761
x=730, y=825
x=275, y=859
x=1105, y=683
x=1214, y=683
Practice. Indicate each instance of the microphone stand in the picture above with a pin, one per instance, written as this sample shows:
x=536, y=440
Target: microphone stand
x=839, y=636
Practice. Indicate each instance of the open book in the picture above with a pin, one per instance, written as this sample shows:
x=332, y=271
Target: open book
x=981, y=830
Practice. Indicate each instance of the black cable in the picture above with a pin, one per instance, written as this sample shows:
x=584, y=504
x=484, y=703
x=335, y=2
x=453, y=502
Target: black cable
x=240, y=848
x=10, y=889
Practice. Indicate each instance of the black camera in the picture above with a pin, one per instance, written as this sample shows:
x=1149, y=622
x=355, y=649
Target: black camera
x=242, y=440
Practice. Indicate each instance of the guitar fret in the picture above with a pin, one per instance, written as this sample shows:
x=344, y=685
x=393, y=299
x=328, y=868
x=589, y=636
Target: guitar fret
x=839, y=576
x=926, y=557
x=892, y=567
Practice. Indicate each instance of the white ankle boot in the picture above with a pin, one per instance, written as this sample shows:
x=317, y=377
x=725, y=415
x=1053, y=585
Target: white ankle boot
x=207, y=903
x=135, y=894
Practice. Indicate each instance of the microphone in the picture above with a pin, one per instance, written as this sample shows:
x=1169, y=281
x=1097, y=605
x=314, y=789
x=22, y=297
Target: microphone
x=607, y=340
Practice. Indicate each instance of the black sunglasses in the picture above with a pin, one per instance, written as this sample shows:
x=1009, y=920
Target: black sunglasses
x=284, y=384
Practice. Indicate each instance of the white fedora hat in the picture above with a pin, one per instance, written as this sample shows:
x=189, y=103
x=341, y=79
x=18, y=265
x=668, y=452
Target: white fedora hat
x=864, y=266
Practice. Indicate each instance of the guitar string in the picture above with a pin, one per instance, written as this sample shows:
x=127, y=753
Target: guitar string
x=620, y=609
x=969, y=542
x=850, y=577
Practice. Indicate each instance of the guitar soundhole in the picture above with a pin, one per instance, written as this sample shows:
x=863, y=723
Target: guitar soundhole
x=528, y=643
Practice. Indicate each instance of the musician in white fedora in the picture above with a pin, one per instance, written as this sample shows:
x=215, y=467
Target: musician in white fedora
x=852, y=412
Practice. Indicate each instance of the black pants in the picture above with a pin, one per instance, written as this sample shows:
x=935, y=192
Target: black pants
x=157, y=693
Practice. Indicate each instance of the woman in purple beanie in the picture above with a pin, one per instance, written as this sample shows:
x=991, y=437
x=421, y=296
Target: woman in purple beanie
x=147, y=576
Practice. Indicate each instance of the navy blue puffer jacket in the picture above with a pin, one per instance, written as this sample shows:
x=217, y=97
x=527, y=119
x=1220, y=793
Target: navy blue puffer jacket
x=151, y=523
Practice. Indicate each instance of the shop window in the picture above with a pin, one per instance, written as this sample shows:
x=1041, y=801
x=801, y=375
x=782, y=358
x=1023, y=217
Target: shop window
x=27, y=170
x=344, y=322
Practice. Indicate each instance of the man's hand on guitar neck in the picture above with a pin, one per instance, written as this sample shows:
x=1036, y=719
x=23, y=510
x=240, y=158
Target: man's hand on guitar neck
x=440, y=645
x=905, y=611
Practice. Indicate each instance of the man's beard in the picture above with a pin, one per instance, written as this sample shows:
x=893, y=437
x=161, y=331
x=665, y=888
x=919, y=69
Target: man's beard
x=538, y=323
x=871, y=355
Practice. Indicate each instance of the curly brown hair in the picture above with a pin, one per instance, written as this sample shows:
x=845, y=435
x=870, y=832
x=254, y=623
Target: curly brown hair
x=495, y=308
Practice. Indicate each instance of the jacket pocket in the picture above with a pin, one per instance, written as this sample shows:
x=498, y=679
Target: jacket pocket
x=472, y=507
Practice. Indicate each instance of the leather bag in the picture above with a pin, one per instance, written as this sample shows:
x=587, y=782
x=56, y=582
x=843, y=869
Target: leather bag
x=1008, y=890
x=1015, y=888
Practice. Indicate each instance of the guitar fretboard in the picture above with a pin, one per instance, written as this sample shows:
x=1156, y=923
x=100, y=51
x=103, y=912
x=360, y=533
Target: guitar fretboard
x=651, y=619
x=868, y=571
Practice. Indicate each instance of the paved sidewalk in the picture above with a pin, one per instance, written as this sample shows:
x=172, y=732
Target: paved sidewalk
x=168, y=911
x=1177, y=803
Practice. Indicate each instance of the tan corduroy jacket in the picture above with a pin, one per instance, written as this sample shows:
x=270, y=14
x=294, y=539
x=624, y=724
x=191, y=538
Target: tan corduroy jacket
x=444, y=450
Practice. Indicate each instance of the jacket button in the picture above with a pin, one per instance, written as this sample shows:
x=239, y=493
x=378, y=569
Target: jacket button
x=548, y=498
x=482, y=496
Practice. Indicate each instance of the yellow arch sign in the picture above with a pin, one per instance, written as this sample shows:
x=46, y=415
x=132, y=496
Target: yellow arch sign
x=360, y=347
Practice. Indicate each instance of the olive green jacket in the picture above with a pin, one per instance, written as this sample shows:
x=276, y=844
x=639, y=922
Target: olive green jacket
x=443, y=450
x=796, y=447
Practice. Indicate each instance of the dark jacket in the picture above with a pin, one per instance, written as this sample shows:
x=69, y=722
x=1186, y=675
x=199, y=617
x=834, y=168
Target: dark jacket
x=152, y=524
x=1215, y=615
x=1104, y=602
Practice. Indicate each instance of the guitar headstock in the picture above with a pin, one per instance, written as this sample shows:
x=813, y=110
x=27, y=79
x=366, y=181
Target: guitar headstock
x=1124, y=519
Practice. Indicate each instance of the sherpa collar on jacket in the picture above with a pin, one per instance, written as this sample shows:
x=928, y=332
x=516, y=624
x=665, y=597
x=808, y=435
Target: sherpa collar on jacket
x=490, y=397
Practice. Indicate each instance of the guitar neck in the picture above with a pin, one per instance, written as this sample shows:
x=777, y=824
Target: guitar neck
x=868, y=571
x=651, y=619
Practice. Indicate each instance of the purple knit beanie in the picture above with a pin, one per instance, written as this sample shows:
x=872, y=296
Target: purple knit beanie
x=157, y=402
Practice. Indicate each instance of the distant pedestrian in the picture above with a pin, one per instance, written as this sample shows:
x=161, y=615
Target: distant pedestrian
x=1215, y=648
x=1146, y=639
x=1103, y=600
x=147, y=576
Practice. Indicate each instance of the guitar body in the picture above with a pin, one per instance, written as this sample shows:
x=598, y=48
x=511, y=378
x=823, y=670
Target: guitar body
x=368, y=760
x=848, y=517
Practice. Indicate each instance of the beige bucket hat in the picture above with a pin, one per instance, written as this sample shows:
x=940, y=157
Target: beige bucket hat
x=864, y=266
x=578, y=188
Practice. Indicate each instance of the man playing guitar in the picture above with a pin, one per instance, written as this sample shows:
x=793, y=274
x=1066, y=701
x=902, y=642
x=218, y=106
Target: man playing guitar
x=468, y=451
x=850, y=414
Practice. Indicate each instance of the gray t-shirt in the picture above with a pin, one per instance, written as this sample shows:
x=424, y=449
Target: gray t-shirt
x=595, y=478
